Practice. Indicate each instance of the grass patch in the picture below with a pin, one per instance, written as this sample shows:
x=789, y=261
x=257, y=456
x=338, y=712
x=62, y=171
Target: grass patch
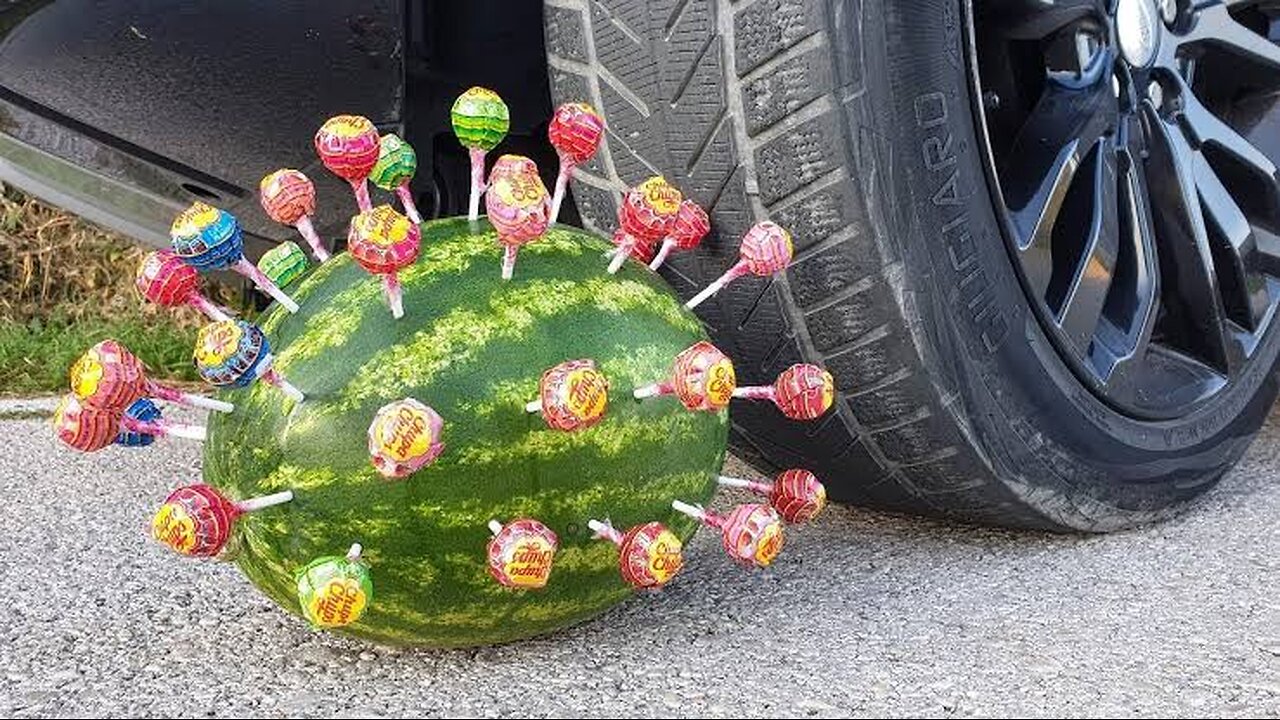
x=66, y=284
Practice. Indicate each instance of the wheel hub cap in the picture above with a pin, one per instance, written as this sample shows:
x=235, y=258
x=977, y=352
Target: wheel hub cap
x=1138, y=31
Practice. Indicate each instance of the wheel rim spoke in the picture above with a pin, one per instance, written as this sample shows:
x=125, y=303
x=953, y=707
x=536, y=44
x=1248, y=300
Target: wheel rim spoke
x=1089, y=281
x=1215, y=27
x=1062, y=129
x=1192, y=294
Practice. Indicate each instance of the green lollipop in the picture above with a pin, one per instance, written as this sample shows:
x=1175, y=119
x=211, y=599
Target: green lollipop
x=335, y=591
x=397, y=163
x=283, y=263
x=480, y=120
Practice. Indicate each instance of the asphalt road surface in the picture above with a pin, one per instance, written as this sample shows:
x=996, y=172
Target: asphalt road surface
x=864, y=613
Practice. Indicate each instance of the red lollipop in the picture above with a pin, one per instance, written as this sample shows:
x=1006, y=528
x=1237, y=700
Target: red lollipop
x=88, y=429
x=289, y=198
x=796, y=493
x=702, y=377
x=801, y=392
x=766, y=250
x=575, y=132
x=646, y=216
x=349, y=145
x=164, y=279
x=649, y=555
x=687, y=230
x=384, y=242
x=108, y=376
x=518, y=208
x=751, y=534
x=196, y=520
x=625, y=245
x=521, y=553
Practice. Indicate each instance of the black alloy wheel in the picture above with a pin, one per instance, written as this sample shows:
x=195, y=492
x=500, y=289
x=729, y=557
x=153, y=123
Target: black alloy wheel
x=1132, y=145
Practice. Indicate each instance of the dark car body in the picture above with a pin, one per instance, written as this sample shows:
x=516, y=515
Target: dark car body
x=126, y=112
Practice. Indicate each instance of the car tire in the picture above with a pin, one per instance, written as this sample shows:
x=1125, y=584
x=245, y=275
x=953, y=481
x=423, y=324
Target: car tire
x=852, y=123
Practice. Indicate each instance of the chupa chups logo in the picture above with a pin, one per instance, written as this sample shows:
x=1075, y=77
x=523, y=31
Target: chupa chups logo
x=86, y=374
x=519, y=189
x=586, y=393
x=193, y=220
x=349, y=126
x=387, y=227
x=530, y=562
x=340, y=601
x=721, y=381
x=769, y=544
x=175, y=528
x=406, y=434
x=218, y=342
x=661, y=196
x=665, y=558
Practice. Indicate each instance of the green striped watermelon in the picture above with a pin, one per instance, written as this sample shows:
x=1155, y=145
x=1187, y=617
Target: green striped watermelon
x=472, y=347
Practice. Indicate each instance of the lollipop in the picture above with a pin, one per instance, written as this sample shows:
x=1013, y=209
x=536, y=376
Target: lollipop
x=164, y=279
x=507, y=165
x=397, y=163
x=197, y=520
x=796, y=494
x=480, y=120
x=575, y=132
x=384, y=242
x=403, y=437
x=88, y=429
x=687, y=230
x=146, y=411
x=289, y=198
x=108, y=376
x=766, y=250
x=649, y=555
x=702, y=378
x=348, y=145
x=801, y=392
x=234, y=353
x=207, y=238
x=517, y=205
x=572, y=395
x=521, y=552
x=626, y=245
x=751, y=533
x=646, y=216
x=283, y=263
x=334, y=591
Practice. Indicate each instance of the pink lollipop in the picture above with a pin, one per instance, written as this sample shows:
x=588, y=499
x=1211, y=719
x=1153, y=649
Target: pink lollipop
x=751, y=534
x=164, y=279
x=88, y=429
x=110, y=377
x=801, y=392
x=349, y=145
x=766, y=250
x=687, y=230
x=289, y=198
x=518, y=208
x=796, y=494
x=646, y=215
x=575, y=132
x=384, y=242
x=197, y=520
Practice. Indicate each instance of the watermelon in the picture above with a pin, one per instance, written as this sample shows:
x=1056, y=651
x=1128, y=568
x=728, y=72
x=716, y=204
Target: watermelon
x=472, y=347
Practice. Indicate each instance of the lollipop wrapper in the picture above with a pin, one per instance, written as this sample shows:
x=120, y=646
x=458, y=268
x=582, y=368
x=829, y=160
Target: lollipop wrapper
x=404, y=437
x=480, y=119
x=650, y=555
x=522, y=553
x=334, y=591
x=574, y=395
x=349, y=146
x=283, y=263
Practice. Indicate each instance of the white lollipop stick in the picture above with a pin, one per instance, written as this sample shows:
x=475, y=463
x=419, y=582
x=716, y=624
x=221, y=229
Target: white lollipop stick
x=264, y=284
x=533, y=406
x=266, y=501
x=562, y=184
x=495, y=527
x=354, y=553
x=477, y=183
x=663, y=252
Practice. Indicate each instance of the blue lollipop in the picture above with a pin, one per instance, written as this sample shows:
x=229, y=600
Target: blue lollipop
x=234, y=353
x=146, y=411
x=207, y=238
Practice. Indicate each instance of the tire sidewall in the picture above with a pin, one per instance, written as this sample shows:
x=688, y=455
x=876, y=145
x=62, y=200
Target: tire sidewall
x=1024, y=405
